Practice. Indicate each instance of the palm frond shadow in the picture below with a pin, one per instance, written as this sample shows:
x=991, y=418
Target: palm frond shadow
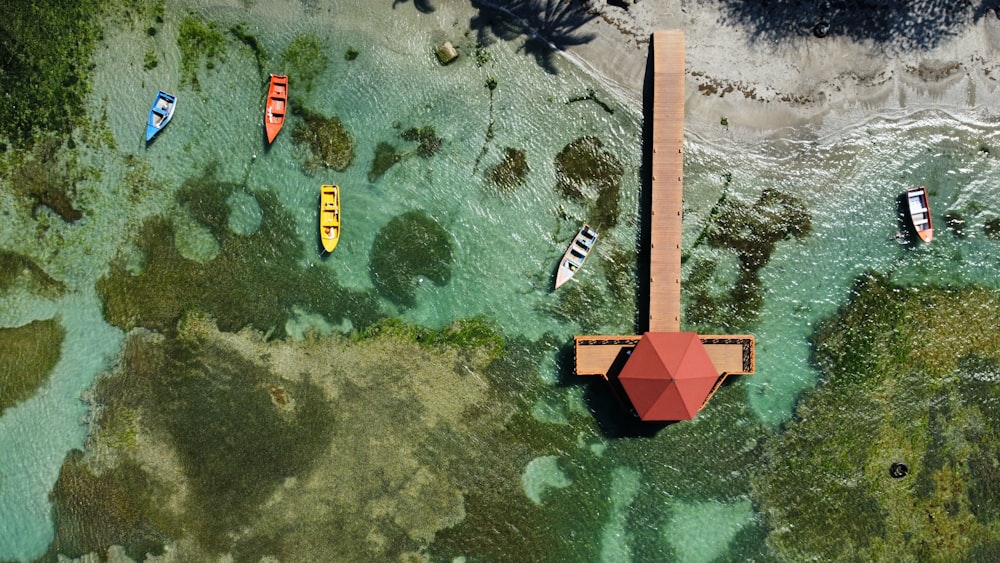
x=549, y=25
x=894, y=25
x=422, y=6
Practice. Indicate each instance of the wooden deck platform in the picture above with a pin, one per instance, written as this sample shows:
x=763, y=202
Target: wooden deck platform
x=668, y=182
x=596, y=355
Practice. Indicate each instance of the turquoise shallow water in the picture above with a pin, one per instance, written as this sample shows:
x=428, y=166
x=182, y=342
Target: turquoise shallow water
x=506, y=245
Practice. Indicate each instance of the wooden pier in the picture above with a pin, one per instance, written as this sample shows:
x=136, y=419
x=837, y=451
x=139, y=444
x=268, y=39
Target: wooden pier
x=668, y=182
x=731, y=354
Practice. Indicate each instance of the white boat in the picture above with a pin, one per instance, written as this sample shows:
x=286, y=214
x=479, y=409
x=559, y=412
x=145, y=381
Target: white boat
x=575, y=254
x=920, y=213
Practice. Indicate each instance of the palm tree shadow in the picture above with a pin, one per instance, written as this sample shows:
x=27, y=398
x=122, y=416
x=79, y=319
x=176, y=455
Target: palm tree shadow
x=550, y=26
x=422, y=6
x=894, y=25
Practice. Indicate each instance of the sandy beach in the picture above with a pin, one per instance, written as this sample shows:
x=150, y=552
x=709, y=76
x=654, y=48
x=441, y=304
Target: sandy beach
x=767, y=71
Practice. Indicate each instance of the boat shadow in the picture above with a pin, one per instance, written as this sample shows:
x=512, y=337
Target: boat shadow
x=906, y=235
x=317, y=238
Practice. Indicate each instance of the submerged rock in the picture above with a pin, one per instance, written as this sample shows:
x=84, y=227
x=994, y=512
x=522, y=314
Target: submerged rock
x=49, y=179
x=387, y=155
x=446, y=52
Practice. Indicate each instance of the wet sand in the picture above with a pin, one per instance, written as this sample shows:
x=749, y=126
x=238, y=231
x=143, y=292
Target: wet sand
x=766, y=71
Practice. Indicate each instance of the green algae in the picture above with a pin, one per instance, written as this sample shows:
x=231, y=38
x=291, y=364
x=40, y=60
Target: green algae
x=255, y=279
x=471, y=333
x=591, y=96
x=30, y=353
x=48, y=177
x=94, y=511
x=750, y=232
x=992, y=228
x=410, y=248
x=906, y=376
x=15, y=267
x=150, y=61
x=201, y=44
x=239, y=31
x=588, y=173
x=388, y=155
x=330, y=144
x=306, y=59
x=511, y=172
x=47, y=49
x=491, y=85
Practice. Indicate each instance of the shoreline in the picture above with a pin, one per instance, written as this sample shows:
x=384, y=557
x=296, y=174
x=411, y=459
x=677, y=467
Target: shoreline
x=800, y=86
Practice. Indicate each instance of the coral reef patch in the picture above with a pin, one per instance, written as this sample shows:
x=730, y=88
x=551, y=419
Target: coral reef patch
x=586, y=172
x=16, y=268
x=750, y=233
x=906, y=374
x=410, y=248
x=329, y=143
x=30, y=352
x=255, y=280
x=189, y=448
x=510, y=173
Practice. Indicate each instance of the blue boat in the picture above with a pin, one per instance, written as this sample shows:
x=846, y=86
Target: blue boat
x=160, y=113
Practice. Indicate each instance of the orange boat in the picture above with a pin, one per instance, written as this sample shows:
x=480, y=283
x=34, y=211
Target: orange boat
x=920, y=213
x=277, y=100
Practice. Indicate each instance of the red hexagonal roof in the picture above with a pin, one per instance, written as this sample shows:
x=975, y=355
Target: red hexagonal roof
x=668, y=376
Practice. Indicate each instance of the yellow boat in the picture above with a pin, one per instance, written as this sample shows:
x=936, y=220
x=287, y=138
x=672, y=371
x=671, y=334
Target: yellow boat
x=329, y=216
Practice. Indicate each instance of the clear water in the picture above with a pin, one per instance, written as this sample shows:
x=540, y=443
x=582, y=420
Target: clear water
x=505, y=245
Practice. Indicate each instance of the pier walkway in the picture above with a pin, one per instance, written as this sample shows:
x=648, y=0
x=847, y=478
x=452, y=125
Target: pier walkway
x=731, y=354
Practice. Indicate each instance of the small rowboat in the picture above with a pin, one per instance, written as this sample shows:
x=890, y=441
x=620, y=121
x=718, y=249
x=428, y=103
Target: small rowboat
x=329, y=216
x=920, y=213
x=160, y=113
x=277, y=100
x=575, y=254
